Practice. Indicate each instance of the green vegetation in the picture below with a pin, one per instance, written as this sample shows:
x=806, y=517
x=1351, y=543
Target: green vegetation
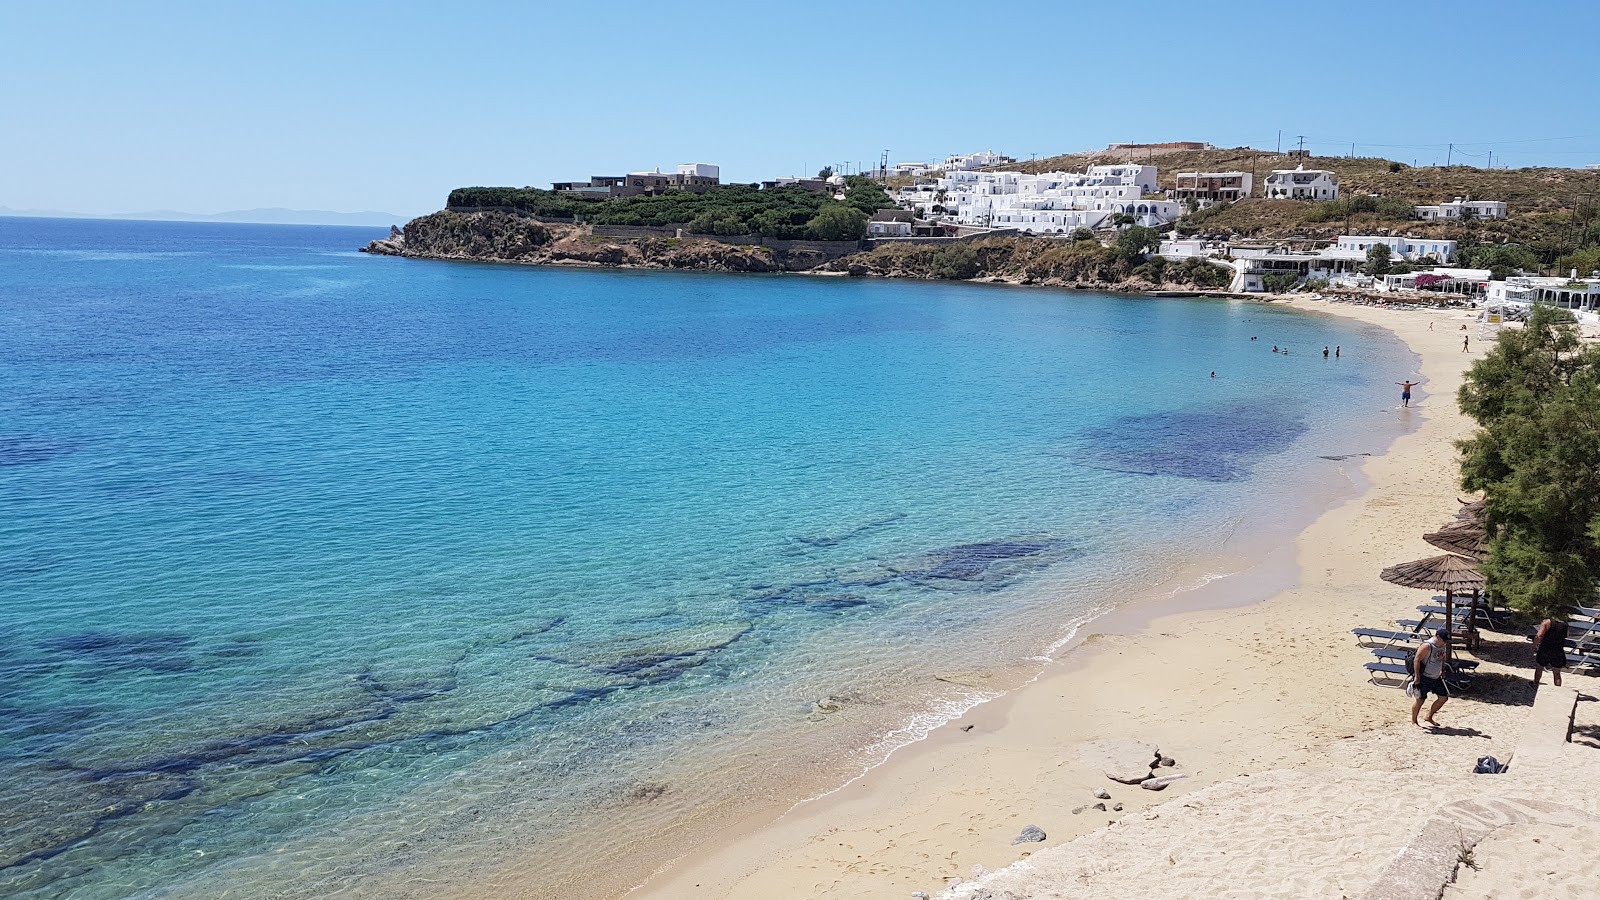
x=731, y=209
x=1536, y=457
x=1040, y=260
x=1382, y=208
x=1379, y=259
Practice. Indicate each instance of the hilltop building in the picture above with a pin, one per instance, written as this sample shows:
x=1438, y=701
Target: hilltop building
x=983, y=159
x=1301, y=183
x=1460, y=208
x=694, y=177
x=1048, y=202
x=1168, y=147
x=1206, y=188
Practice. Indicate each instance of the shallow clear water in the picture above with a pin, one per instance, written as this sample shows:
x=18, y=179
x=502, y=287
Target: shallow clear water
x=311, y=562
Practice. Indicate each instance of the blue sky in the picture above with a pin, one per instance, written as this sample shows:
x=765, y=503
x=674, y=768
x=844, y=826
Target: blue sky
x=113, y=107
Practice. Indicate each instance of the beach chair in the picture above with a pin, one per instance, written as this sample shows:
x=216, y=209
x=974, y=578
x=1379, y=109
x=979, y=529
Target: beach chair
x=1462, y=614
x=1364, y=636
x=1397, y=673
x=1405, y=653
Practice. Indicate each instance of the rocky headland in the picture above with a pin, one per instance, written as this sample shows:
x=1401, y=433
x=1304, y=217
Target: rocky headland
x=506, y=237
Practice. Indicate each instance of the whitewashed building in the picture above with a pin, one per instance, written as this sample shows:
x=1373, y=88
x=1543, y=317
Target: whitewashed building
x=1580, y=295
x=983, y=159
x=1206, y=188
x=1407, y=248
x=1053, y=202
x=911, y=169
x=1460, y=208
x=1301, y=183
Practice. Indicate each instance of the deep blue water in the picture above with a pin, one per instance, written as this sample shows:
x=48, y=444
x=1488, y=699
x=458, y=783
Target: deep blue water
x=298, y=544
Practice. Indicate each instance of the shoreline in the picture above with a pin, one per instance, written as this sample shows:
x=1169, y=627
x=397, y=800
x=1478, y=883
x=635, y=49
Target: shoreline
x=937, y=807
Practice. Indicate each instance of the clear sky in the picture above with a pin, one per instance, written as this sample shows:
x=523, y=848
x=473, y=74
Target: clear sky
x=386, y=105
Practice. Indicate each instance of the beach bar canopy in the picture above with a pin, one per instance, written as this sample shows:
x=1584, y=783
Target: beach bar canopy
x=1449, y=573
x=1465, y=538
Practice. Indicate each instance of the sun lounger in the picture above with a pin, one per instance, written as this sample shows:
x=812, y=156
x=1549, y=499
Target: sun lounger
x=1404, y=653
x=1388, y=636
x=1430, y=624
x=1398, y=673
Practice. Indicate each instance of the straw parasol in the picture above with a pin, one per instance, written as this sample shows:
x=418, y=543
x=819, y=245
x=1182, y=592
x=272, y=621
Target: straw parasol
x=1471, y=510
x=1465, y=538
x=1449, y=573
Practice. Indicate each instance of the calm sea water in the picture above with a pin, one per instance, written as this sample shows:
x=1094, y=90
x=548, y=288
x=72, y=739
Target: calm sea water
x=313, y=565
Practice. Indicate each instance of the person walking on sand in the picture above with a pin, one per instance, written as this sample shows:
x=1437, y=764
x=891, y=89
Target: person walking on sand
x=1429, y=668
x=1550, y=650
x=1464, y=339
x=1405, y=391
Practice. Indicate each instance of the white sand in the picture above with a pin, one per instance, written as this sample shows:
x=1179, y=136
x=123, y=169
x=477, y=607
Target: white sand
x=1305, y=780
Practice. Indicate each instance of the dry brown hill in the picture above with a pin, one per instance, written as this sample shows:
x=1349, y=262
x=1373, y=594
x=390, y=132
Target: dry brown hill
x=1551, y=210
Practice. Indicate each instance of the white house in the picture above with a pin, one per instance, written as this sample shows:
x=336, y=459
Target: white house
x=1459, y=209
x=1408, y=248
x=911, y=169
x=983, y=159
x=1580, y=295
x=891, y=223
x=1206, y=188
x=1301, y=183
x=1053, y=202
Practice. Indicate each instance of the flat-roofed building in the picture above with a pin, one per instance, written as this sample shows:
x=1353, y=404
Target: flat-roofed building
x=1206, y=188
x=1301, y=183
x=1463, y=208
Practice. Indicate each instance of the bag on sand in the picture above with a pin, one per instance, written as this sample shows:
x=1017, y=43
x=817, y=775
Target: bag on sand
x=1488, y=765
x=1411, y=688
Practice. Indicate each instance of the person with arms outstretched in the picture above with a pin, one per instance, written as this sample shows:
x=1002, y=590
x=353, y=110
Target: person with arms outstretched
x=1405, y=391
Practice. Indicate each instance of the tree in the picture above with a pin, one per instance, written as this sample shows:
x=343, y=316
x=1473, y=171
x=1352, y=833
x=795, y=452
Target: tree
x=825, y=172
x=1083, y=234
x=837, y=222
x=1536, y=457
x=1378, y=256
x=1134, y=242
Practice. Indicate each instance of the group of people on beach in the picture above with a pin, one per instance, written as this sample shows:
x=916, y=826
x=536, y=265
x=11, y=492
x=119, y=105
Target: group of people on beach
x=1433, y=657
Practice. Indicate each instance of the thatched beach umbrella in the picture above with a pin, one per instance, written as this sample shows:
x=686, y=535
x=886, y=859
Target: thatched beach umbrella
x=1465, y=538
x=1471, y=511
x=1449, y=573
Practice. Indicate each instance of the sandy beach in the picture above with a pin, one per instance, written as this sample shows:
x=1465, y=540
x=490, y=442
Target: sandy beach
x=1301, y=778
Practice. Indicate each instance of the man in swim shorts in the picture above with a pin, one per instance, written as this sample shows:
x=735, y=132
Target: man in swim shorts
x=1405, y=391
x=1429, y=668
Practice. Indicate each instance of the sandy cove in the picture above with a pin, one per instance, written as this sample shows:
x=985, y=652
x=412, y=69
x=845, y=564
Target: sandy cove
x=1304, y=780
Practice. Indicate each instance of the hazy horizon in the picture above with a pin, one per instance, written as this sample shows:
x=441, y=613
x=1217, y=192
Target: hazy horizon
x=298, y=106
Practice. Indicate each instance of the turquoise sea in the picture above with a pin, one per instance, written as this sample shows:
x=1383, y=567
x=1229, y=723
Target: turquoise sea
x=322, y=572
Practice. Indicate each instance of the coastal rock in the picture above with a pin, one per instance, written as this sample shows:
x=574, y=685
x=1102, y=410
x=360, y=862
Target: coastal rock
x=1167, y=761
x=1128, y=762
x=1117, y=808
x=1029, y=835
x=1102, y=794
x=1160, y=783
x=1100, y=806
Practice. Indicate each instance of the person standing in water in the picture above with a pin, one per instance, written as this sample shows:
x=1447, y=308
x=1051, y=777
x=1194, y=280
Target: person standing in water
x=1405, y=391
x=1335, y=351
x=1324, y=352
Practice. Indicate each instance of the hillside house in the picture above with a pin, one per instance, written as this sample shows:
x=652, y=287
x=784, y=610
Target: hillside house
x=1407, y=248
x=693, y=177
x=1459, y=209
x=1301, y=183
x=1055, y=202
x=891, y=223
x=1206, y=188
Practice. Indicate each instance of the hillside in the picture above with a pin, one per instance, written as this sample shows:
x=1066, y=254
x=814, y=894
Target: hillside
x=1552, y=212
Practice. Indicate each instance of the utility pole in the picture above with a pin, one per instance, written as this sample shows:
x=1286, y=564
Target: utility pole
x=1280, y=141
x=1302, y=145
x=1352, y=149
x=1449, y=151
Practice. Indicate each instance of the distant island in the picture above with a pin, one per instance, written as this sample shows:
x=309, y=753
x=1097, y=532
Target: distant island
x=263, y=216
